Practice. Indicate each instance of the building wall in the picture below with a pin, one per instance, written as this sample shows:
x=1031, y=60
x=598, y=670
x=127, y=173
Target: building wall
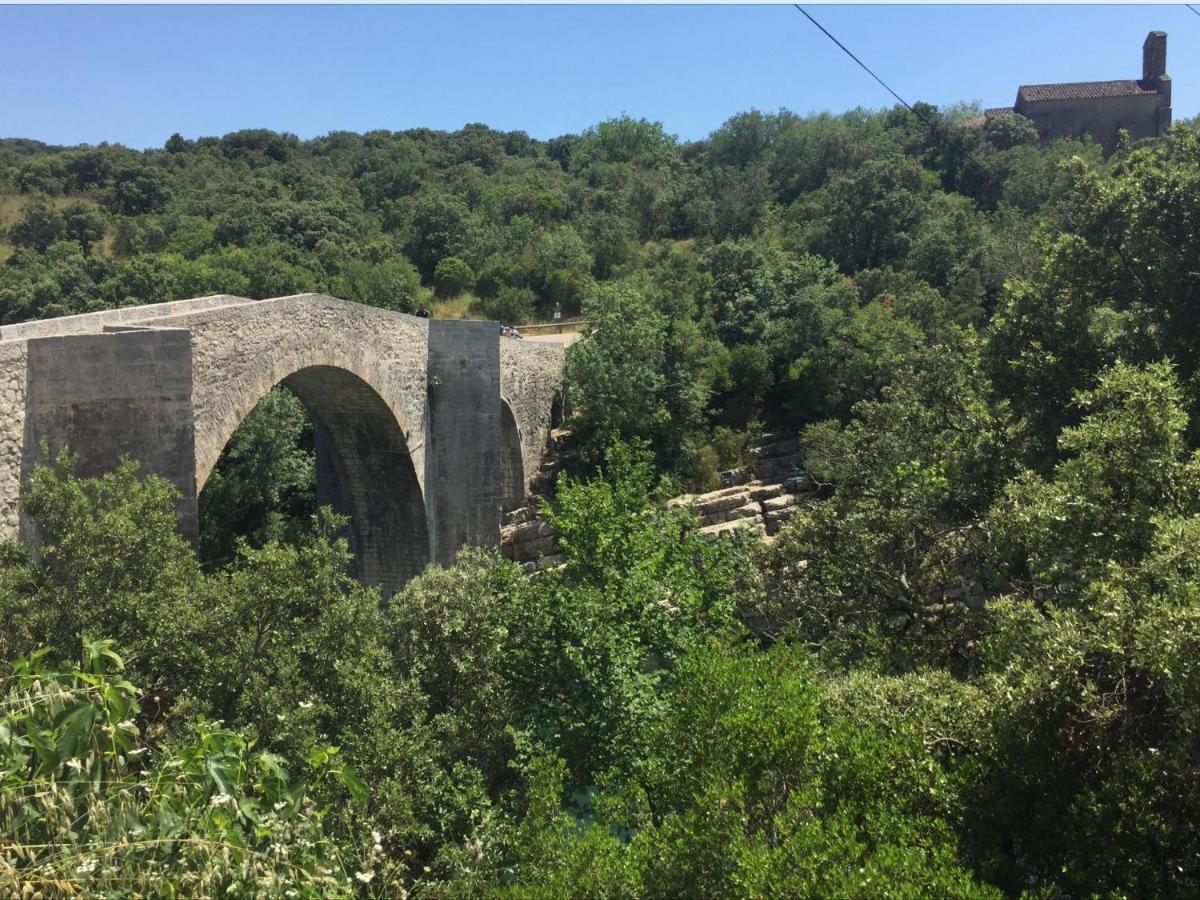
x=1102, y=118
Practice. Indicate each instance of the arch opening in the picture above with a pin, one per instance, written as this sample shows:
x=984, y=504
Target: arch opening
x=556, y=410
x=362, y=468
x=512, y=463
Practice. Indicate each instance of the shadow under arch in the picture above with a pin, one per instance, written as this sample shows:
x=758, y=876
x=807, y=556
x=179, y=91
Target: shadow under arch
x=365, y=471
x=512, y=461
x=556, y=409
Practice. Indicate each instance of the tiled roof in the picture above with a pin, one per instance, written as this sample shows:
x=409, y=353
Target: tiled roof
x=999, y=111
x=1081, y=90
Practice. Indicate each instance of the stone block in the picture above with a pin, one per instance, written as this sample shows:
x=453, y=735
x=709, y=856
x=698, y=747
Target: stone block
x=784, y=501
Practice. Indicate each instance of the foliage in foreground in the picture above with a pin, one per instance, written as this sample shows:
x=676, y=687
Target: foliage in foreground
x=88, y=808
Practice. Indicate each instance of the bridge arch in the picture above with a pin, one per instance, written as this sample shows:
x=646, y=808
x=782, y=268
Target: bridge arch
x=364, y=469
x=512, y=460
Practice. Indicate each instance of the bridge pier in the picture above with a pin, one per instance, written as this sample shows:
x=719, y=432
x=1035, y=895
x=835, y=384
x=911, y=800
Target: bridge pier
x=462, y=456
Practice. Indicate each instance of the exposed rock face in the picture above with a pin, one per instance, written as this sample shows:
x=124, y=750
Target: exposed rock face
x=761, y=505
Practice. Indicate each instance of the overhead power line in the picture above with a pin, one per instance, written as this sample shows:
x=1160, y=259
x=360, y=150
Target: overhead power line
x=1192, y=8
x=967, y=155
x=846, y=50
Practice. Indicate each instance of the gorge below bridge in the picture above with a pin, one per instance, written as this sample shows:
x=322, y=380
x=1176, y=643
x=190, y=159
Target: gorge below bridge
x=425, y=430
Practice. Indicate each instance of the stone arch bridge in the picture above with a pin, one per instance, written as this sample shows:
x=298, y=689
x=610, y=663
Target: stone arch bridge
x=426, y=429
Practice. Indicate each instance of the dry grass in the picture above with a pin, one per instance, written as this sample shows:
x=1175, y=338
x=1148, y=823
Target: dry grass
x=453, y=309
x=10, y=205
x=10, y=211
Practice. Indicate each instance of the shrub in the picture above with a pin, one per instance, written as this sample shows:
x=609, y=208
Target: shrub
x=512, y=306
x=87, y=808
x=452, y=277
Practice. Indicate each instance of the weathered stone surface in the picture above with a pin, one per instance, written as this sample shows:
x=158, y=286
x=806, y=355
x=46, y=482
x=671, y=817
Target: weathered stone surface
x=783, y=447
x=745, y=511
x=93, y=323
x=517, y=516
x=784, y=501
x=110, y=395
x=687, y=499
x=706, y=507
x=412, y=435
x=12, y=432
x=463, y=458
x=775, y=520
x=723, y=529
x=531, y=389
x=761, y=493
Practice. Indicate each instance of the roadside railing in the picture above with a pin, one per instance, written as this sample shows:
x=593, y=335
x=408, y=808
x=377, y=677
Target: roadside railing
x=563, y=326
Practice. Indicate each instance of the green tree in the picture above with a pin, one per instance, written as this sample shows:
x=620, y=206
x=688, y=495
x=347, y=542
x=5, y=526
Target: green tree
x=83, y=223
x=92, y=808
x=626, y=382
x=868, y=217
x=452, y=277
x=263, y=486
x=39, y=226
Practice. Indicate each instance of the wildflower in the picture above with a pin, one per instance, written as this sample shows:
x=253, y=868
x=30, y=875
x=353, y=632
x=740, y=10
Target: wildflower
x=305, y=704
x=87, y=866
x=364, y=877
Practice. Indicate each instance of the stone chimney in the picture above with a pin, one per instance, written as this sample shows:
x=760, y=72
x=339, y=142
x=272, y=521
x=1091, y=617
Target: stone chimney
x=1154, y=56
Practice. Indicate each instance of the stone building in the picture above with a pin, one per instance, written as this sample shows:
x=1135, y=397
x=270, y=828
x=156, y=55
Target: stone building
x=1102, y=108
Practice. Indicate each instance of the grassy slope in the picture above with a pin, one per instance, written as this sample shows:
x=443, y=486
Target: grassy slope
x=10, y=211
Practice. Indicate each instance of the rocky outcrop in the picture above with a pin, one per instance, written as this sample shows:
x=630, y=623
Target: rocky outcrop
x=766, y=497
x=757, y=505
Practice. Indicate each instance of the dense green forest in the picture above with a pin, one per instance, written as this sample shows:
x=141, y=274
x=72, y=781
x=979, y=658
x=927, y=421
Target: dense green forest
x=968, y=666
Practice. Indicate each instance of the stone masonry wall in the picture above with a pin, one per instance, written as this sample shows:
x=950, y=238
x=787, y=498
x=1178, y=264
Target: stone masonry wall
x=531, y=377
x=244, y=351
x=462, y=480
x=107, y=396
x=94, y=323
x=1102, y=118
x=12, y=431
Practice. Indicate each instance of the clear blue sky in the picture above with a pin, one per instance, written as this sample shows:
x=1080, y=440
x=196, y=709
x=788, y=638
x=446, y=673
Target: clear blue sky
x=135, y=74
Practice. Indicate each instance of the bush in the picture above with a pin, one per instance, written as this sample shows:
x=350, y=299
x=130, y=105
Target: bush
x=743, y=791
x=511, y=306
x=88, y=808
x=452, y=277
